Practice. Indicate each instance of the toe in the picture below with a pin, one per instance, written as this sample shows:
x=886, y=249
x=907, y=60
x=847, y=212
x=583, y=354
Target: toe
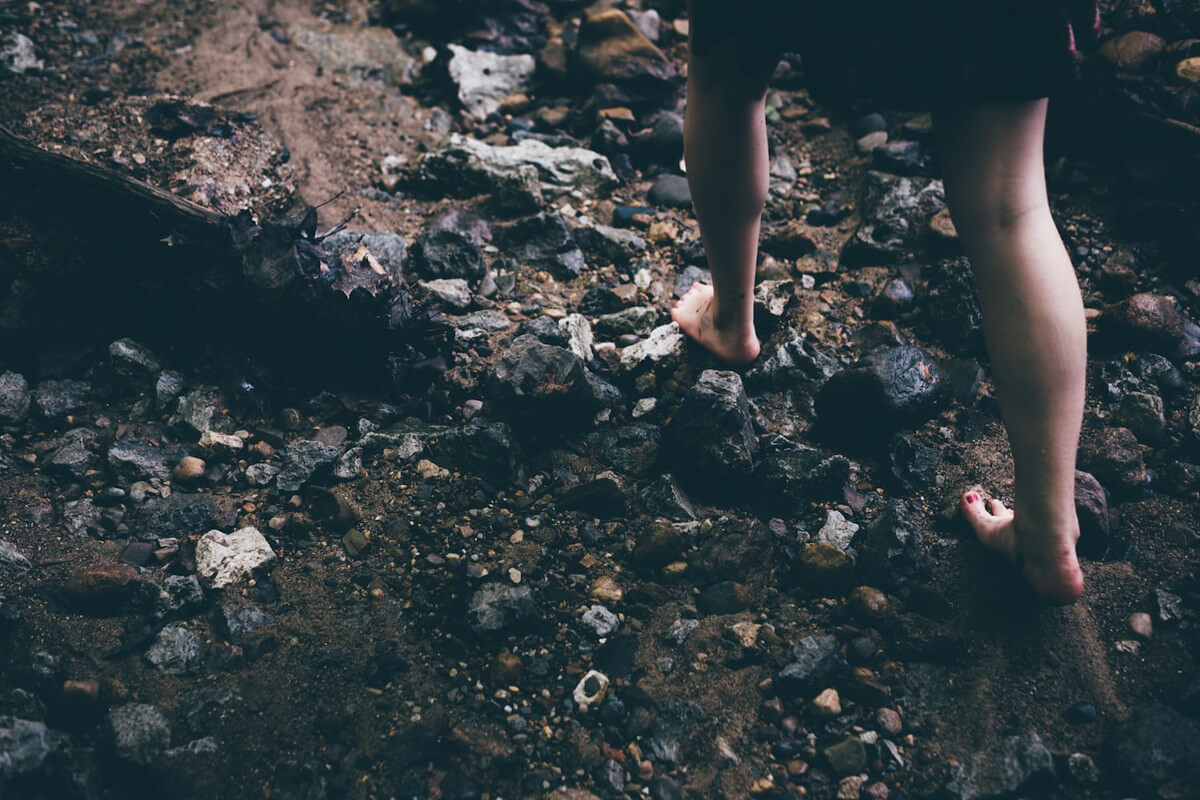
x=999, y=510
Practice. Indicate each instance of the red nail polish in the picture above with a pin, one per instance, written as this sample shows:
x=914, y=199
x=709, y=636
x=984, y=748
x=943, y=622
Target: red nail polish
x=972, y=498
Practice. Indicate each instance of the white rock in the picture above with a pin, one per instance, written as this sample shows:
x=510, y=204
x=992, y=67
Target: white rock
x=212, y=440
x=11, y=559
x=586, y=696
x=644, y=406
x=485, y=79
x=17, y=54
x=837, y=530
x=579, y=334
x=223, y=558
x=602, y=621
x=560, y=169
x=452, y=291
x=774, y=296
x=663, y=346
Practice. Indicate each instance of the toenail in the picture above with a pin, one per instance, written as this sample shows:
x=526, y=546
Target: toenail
x=972, y=498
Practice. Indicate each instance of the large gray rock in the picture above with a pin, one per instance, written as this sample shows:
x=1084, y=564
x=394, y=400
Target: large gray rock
x=24, y=746
x=790, y=475
x=389, y=249
x=894, y=212
x=54, y=400
x=134, y=459
x=814, y=661
x=176, y=651
x=131, y=359
x=886, y=391
x=224, y=558
x=72, y=456
x=712, y=433
x=497, y=606
x=469, y=165
x=892, y=550
x=302, y=460
x=540, y=378
x=365, y=53
x=138, y=733
x=198, y=411
x=14, y=398
x=662, y=349
x=181, y=514
x=11, y=559
x=543, y=241
x=1010, y=765
x=485, y=79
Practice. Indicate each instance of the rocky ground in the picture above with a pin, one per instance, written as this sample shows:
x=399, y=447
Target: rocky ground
x=437, y=503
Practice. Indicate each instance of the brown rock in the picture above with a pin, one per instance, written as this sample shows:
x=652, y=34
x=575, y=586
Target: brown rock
x=613, y=50
x=189, y=469
x=1115, y=458
x=876, y=791
x=506, y=669
x=941, y=225
x=867, y=602
x=1091, y=507
x=102, y=588
x=1189, y=69
x=1141, y=625
x=824, y=568
x=1133, y=50
x=1145, y=319
x=826, y=705
x=889, y=721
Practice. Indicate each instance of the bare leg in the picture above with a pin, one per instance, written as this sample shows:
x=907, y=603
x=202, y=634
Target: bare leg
x=1033, y=320
x=725, y=144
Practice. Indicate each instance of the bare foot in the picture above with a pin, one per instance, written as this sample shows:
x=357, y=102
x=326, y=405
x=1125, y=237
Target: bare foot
x=694, y=314
x=1046, y=557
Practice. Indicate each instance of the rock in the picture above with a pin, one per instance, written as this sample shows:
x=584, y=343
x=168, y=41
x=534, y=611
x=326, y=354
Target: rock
x=14, y=398
x=467, y=165
x=671, y=191
x=868, y=143
x=824, y=569
x=168, y=388
x=773, y=297
x=486, y=449
x=914, y=464
x=197, y=412
x=1142, y=413
x=664, y=498
x=1091, y=507
x=601, y=621
x=240, y=620
x=663, y=348
x=680, y=630
x=24, y=747
x=138, y=733
x=447, y=253
x=792, y=475
x=886, y=391
x=81, y=517
x=1169, y=605
x=1156, y=744
x=390, y=250
x=590, y=690
x=638, y=320
x=1013, y=764
x=899, y=158
x=892, y=552
x=952, y=307
x=72, y=456
x=612, y=50
x=889, y=721
x=546, y=330
x=453, y=292
x=485, y=79
x=894, y=212
x=726, y=597
x=1083, y=769
x=1114, y=456
x=662, y=142
x=1189, y=70
x=837, y=530
x=792, y=364
x=55, y=400
x=543, y=241
x=868, y=603
x=1133, y=50
x=1140, y=625
x=365, y=53
x=304, y=459
x=497, y=606
x=538, y=377
x=713, y=435
x=178, y=596
x=12, y=560
x=826, y=705
x=17, y=54
x=132, y=360
x=181, y=514
x=604, y=496
x=176, y=651
x=1145, y=320
x=102, y=588
x=815, y=660
x=847, y=757
x=579, y=335
x=610, y=245
x=224, y=558
x=134, y=459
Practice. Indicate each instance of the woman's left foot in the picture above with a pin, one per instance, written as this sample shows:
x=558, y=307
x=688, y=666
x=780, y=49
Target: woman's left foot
x=694, y=315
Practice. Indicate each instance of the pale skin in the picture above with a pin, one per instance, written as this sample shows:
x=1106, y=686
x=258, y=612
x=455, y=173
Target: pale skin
x=992, y=164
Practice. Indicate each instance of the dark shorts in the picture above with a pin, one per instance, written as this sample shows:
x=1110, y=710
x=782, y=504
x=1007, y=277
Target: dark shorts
x=917, y=54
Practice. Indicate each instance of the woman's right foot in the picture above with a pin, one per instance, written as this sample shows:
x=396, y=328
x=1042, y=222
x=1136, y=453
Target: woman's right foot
x=1046, y=557
x=694, y=315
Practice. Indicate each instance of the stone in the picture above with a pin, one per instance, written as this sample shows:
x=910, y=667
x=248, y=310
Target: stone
x=102, y=588
x=1145, y=320
x=952, y=307
x=847, y=757
x=467, y=165
x=55, y=400
x=837, y=530
x=664, y=497
x=889, y=721
x=1169, y=605
x=794, y=363
x=134, y=459
x=791, y=475
x=72, y=456
x=824, y=569
x=826, y=705
x=680, y=630
x=1095, y=523
x=604, y=495
x=914, y=464
x=168, y=388
x=447, y=253
x=638, y=320
x=815, y=661
x=1142, y=413
x=180, y=514
x=662, y=142
x=1083, y=769
x=772, y=297
x=578, y=331
x=497, y=606
x=1013, y=764
x=24, y=747
x=190, y=469
x=867, y=603
x=1140, y=625
x=14, y=398
x=713, y=435
x=18, y=55
x=138, y=733
x=241, y=619
x=543, y=241
x=611, y=49
x=1189, y=70
x=225, y=558
x=601, y=621
x=390, y=250
x=349, y=464
x=899, y=158
x=486, y=449
x=12, y=560
x=364, y=53
x=663, y=348
x=178, y=596
x=197, y=412
x=725, y=597
x=1156, y=744
x=887, y=390
x=1114, y=456
x=485, y=79
x=670, y=191
x=303, y=460
x=895, y=210
x=454, y=292
x=892, y=552
x=132, y=360
x=868, y=143
x=176, y=651
x=610, y=245
x=1132, y=51
x=590, y=690
x=540, y=378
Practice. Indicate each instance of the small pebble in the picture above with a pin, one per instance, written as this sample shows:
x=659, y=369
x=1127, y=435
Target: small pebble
x=1141, y=625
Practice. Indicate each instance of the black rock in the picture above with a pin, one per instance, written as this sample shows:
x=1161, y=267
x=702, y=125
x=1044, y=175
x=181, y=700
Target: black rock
x=610, y=777
x=1082, y=712
x=623, y=215
x=1014, y=764
x=1114, y=456
x=72, y=456
x=663, y=787
x=133, y=459
x=168, y=388
x=712, y=433
x=599, y=300
x=610, y=245
x=447, y=253
x=791, y=475
x=914, y=464
x=726, y=597
x=14, y=398
x=1095, y=522
x=241, y=619
x=180, y=514
x=886, y=391
x=895, y=211
x=630, y=449
x=54, y=400
x=603, y=496
x=900, y=158
x=891, y=550
x=869, y=123
x=129, y=359
x=791, y=364
x=487, y=450
x=497, y=606
x=815, y=659
x=389, y=249
x=1154, y=746
x=952, y=307
x=540, y=379
x=662, y=142
x=543, y=241
x=547, y=330
x=664, y=498
x=303, y=460
x=894, y=300
x=671, y=191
